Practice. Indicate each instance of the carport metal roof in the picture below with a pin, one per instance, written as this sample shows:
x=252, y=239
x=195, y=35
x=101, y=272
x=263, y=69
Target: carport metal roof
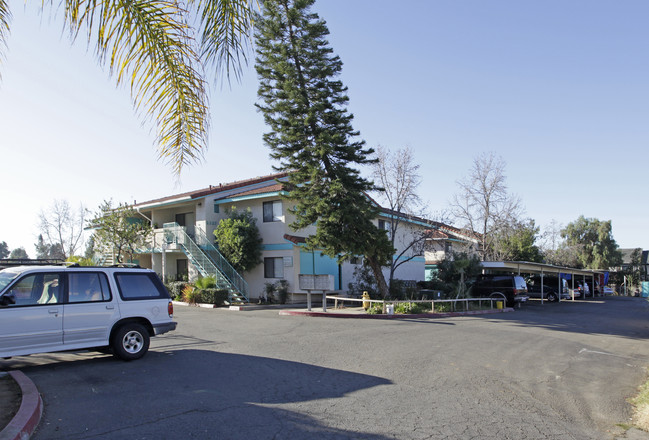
x=527, y=267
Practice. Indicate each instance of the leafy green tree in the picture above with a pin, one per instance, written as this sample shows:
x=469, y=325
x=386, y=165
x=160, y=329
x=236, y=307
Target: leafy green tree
x=150, y=46
x=239, y=241
x=457, y=272
x=19, y=253
x=633, y=270
x=593, y=243
x=81, y=261
x=517, y=242
x=567, y=256
x=4, y=249
x=312, y=137
x=121, y=230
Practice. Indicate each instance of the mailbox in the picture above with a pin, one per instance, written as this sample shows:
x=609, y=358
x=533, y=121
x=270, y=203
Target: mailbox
x=316, y=282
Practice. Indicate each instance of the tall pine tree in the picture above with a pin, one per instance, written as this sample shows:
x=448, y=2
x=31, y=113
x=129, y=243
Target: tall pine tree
x=312, y=137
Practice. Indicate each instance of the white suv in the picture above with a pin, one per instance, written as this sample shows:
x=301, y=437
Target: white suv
x=57, y=308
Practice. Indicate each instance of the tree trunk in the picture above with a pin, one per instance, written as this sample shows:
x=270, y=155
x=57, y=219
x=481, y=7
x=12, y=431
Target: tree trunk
x=378, y=274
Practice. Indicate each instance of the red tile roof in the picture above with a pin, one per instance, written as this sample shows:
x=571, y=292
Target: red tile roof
x=213, y=189
x=266, y=189
x=295, y=239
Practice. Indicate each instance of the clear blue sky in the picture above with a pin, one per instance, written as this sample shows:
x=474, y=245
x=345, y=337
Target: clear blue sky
x=559, y=89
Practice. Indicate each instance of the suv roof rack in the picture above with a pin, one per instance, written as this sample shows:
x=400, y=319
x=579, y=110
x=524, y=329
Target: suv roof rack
x=129, y=265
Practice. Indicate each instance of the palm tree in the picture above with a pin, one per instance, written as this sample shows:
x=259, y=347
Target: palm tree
x=151, y=46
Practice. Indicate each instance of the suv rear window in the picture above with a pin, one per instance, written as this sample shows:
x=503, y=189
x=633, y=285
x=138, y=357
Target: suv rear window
x=520, y=283
x=134, y=286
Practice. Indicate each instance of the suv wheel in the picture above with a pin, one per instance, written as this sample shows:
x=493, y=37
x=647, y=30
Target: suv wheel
x=552, y=297
x=130, y=342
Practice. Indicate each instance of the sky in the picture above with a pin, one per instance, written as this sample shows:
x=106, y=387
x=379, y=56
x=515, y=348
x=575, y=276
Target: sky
x=558, y=88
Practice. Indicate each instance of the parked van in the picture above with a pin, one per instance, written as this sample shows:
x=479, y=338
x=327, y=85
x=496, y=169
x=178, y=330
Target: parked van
x=513, y=287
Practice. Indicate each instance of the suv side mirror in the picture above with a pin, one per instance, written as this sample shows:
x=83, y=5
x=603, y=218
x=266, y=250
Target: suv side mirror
x=7, y=299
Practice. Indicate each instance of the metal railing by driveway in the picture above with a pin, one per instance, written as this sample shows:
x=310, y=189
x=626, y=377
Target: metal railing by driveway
x=463, y=302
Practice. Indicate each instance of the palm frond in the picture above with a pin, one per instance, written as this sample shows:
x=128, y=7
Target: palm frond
x=5, y=18
x=226, y=31
x=148, y=45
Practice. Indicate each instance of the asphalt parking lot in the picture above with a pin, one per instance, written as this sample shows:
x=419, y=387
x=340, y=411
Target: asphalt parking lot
x=551, y=371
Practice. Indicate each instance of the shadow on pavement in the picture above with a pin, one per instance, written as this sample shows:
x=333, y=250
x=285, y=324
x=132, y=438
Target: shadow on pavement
x=181, y=391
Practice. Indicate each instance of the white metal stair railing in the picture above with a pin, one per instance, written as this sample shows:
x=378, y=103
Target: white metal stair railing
x=175, y=234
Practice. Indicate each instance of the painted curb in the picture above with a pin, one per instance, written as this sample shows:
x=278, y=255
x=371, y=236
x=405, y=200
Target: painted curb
x=395, y=316
x=29, y=414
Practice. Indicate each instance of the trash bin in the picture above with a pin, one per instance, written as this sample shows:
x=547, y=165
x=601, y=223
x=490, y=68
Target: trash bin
x=389, y=309
x=499, y=305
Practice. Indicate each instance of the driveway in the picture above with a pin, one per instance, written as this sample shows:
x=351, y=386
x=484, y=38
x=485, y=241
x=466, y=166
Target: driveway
x=551, y=371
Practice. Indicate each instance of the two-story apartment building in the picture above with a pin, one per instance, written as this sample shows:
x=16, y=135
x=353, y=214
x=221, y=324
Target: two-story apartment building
x=183, y=241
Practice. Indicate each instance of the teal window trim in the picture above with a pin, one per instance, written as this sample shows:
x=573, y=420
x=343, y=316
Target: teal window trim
x=277, y=247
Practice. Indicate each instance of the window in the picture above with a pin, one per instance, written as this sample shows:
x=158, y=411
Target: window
x=274, y=267
x=385, y=226
x=217, y=208
x=273, y=211
x=88, y=286
x=139, y=286
x=41, y=288
x=448, y=247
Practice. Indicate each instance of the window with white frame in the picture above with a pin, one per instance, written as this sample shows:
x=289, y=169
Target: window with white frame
x=274, y=267
x=386, y=226
x=273, y=211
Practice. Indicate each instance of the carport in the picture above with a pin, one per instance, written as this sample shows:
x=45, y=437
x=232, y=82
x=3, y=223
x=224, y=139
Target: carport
x=526, y=267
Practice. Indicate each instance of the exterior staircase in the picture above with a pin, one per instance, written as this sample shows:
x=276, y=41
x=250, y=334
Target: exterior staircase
x=208, y=261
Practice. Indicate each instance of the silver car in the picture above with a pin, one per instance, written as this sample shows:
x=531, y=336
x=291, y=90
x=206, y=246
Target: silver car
x=56, y=308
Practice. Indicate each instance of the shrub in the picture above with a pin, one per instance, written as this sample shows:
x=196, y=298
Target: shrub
x=191, y=295
x=282, y=291
x=375, y=309
x=269, y=291
x=444, y=307
x=205, y=283
x=218, y=297
x=411, y=308
x=175, y=289
x=363, y=282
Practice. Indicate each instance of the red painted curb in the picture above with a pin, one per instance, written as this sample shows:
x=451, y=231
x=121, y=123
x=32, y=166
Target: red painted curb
x=395, y=316
x=29, y=414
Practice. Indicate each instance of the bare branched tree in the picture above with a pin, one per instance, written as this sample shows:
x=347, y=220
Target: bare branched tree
x=397, y=175
x=483, y=204
x=62, y=227
x=551, y=236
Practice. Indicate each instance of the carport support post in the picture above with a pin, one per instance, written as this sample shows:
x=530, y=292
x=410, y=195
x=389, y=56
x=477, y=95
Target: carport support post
x=324, y=300
x=308, y=300
x=542, y=286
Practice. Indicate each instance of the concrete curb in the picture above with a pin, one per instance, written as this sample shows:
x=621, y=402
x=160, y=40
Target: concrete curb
x=395, y=316
x=29, y=414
